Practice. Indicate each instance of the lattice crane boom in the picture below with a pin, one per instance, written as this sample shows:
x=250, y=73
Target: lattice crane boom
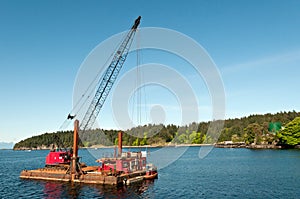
x=108, y=79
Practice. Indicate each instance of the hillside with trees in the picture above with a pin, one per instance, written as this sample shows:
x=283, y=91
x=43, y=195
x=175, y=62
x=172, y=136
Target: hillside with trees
x=290, y=135
x=47, y=140
x=281, y=128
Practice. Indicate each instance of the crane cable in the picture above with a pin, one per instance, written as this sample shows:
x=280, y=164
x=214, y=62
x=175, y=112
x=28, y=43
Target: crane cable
x=67, y=122
x=138, y=80
x=137, y=98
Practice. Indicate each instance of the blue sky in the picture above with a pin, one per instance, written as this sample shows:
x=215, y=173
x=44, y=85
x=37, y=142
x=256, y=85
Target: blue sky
x=255, y=45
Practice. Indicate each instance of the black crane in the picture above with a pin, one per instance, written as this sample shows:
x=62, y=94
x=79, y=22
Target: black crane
x=108, y=79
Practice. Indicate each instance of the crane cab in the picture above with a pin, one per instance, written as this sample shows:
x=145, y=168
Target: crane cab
x=58, y=157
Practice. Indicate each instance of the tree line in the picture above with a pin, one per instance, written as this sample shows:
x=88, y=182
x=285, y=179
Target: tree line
x=254, y=129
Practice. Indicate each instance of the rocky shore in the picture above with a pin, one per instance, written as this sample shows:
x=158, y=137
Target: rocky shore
x=252, y=146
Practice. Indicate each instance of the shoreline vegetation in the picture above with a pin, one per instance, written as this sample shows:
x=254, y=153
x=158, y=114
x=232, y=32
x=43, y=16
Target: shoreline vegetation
x=124, y=147
x=217, y=145
x=269, y=131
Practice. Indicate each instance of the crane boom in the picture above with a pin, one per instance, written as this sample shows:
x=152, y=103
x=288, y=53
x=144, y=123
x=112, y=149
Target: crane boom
x=108, y=79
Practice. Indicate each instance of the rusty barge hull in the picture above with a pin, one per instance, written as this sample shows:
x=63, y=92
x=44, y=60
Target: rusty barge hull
x=89, y=178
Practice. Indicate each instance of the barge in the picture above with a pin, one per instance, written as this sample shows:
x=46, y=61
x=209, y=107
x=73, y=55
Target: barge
x=124, y=169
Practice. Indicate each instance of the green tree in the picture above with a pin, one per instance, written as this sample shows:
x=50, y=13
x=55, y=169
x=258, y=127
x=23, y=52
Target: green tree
x=253, y=133
x=198, y=139
x=136, y=142
x=182, y=138
x=290, y=135
x=144, y=140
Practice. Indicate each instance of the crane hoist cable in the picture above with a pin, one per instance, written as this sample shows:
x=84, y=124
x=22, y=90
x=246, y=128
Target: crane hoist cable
x=84, y=97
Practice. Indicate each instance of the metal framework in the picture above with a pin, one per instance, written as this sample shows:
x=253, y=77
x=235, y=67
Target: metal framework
x=108, y=79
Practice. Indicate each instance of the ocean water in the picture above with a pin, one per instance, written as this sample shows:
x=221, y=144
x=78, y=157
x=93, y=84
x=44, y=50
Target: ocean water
x=224, y=173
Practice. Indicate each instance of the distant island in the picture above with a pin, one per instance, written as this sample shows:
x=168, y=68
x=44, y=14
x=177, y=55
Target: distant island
x=279, y=130
x=6, y=145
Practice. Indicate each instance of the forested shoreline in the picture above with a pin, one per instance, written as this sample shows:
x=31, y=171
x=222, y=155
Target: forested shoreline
x=282, y=128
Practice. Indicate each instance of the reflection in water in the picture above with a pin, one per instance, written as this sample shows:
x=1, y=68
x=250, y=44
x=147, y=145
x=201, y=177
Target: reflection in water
x=54, y=189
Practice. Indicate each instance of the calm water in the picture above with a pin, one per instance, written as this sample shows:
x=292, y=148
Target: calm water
x=224, y=173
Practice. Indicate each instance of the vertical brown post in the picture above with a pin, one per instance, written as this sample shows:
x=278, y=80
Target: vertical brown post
x=75, y=150
x=75, y=143
x=120, y=144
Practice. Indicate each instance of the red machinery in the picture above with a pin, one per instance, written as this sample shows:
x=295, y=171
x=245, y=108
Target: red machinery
x=58, y=157
x=127, y=162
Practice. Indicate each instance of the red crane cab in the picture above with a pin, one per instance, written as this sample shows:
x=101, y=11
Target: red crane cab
x=58, y=157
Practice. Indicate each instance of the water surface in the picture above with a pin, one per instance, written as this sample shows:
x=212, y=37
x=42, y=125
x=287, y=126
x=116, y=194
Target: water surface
x=224, y=173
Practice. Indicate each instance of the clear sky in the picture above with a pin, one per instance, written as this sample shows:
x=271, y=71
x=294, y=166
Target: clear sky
x=255, y=45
